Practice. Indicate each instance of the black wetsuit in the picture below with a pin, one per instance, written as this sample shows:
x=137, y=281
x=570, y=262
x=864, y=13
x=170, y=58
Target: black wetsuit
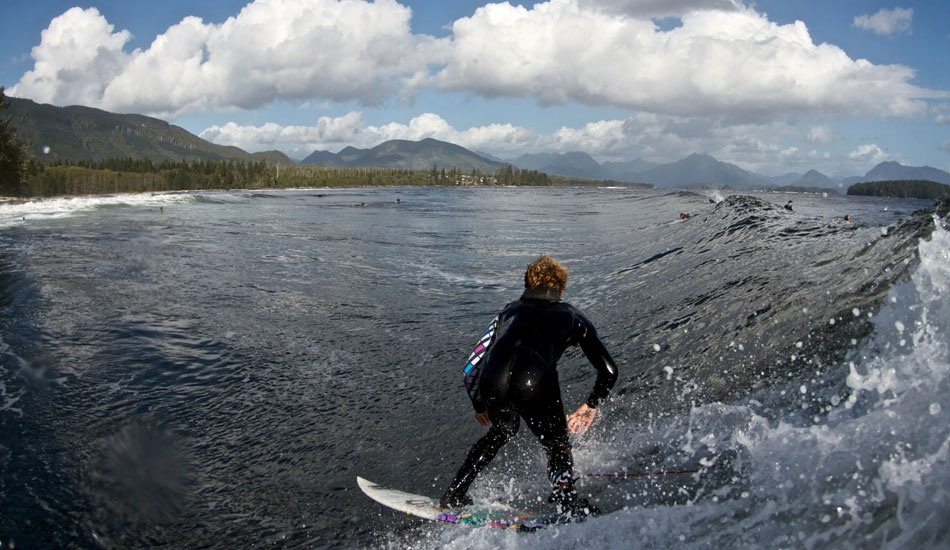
x=517, y=378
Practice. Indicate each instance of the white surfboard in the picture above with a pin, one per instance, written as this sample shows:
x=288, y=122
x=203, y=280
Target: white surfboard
x=417, y=505
x=494, y=514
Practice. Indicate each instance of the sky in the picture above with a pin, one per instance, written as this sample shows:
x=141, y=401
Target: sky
x=774, y=86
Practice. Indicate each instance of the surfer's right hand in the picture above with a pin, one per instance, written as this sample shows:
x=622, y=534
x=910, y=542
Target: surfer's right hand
x=581, y=419
x=482, y=419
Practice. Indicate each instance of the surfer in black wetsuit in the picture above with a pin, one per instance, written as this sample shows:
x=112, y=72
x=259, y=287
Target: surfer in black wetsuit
x=512, y=375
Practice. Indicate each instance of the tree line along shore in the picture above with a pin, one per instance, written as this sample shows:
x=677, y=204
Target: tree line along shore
x=903, y=189
x=143, y=176
x=36, y=180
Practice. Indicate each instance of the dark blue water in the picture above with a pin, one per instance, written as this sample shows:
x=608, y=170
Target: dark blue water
x=214, y=369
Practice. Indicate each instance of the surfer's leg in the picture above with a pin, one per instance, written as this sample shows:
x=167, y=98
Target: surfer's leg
x=545, y=417
x=536, y=395
x=504, y=427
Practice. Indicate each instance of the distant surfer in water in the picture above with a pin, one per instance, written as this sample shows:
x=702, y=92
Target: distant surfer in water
x=512, y=375
x=789, y=205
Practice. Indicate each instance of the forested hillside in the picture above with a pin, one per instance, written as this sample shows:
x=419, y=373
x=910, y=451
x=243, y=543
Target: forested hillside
x=906, y=189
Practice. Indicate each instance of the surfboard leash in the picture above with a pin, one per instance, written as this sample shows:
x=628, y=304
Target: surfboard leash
x=660, y=473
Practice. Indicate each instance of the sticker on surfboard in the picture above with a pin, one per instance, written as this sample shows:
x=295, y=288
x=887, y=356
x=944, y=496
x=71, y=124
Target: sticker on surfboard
x=492, y=514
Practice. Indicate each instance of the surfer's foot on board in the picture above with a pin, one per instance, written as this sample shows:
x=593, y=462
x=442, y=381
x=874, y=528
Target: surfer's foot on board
x=579, y=508
x=453, y=500
x=569, y=504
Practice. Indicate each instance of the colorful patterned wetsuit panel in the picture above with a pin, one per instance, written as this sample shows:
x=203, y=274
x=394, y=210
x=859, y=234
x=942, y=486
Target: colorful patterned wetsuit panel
x=473, y=366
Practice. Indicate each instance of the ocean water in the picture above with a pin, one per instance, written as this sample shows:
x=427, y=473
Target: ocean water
x=215, y=369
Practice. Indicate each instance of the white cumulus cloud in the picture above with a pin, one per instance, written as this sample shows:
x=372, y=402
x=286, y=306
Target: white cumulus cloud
x=731, y=62
x=887, y=22
x=272, y=49
x=868, y=153
x=78, y=55
x=334, y=133
x=296, y=140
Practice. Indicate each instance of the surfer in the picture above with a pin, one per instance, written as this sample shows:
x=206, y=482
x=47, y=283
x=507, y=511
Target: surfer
x=512, y=375
x=789, y=206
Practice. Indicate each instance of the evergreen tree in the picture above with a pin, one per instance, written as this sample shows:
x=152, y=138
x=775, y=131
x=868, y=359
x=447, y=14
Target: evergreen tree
x=11, y=155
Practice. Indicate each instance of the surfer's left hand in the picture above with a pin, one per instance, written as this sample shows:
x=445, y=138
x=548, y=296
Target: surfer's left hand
x=482, y=419
x=581, y=419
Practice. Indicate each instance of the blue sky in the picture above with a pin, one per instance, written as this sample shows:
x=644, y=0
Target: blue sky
x=773, y=86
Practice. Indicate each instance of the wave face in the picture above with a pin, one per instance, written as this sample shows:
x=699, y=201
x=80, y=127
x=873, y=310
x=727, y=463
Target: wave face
x=215, y=369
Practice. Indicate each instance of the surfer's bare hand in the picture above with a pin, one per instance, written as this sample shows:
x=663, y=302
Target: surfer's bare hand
x=482, y=419
x=581, y=419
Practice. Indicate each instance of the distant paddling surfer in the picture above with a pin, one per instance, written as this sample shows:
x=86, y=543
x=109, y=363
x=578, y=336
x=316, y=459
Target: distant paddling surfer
x=512, y=375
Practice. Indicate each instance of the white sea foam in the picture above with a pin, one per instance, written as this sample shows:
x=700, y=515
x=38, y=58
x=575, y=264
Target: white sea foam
x=870, y=471
x=18, y=212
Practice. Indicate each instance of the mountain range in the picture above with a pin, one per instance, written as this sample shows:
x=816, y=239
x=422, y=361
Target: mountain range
x=410, y=155
x=57, y=134
x=699, y=170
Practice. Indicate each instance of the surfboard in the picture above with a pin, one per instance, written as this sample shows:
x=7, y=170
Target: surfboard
x=491, y=514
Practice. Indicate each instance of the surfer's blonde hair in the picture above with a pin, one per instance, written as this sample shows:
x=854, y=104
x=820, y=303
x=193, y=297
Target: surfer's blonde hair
x=545, y=272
